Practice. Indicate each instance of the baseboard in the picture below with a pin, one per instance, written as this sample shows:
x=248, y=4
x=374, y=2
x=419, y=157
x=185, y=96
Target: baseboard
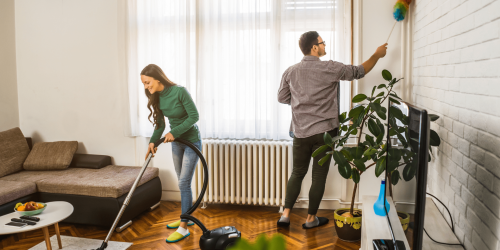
x=325, y=204
x=168, y=195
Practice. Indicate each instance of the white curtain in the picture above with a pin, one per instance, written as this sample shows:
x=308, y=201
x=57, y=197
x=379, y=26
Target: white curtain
x=230, y=55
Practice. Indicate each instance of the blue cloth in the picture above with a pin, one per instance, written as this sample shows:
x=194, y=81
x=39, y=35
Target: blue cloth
x=185, y=160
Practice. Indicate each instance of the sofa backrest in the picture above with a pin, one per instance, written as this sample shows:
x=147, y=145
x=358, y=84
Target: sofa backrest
x=13, y=151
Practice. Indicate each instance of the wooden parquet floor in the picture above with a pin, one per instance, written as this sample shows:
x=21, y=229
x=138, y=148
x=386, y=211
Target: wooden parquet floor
x=149, y=231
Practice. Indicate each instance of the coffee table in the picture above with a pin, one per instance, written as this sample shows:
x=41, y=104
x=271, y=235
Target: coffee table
x=55, y=212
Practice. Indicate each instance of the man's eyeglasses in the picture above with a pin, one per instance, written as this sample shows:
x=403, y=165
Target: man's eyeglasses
x=320, y=43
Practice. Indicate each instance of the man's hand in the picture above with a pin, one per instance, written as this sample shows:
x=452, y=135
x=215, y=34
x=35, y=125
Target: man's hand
x=381, y=51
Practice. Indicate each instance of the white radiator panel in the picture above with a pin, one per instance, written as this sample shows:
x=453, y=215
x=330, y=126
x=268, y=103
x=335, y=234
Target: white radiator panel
x=245, y=172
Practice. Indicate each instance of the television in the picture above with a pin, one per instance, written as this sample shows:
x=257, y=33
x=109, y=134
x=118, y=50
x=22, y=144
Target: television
x=411, y=137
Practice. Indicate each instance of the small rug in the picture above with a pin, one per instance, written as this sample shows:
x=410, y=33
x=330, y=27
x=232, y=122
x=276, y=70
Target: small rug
x=75, y=243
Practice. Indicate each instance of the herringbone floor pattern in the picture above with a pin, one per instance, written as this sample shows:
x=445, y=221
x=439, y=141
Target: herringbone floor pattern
x=149, y=229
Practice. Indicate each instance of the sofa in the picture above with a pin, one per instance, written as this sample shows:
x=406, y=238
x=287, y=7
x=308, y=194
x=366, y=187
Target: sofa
x=95, y=187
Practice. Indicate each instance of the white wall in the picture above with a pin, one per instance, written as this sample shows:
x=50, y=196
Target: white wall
x=9, y=111
x=456, y=70
x=67, y=63
x=376, y=23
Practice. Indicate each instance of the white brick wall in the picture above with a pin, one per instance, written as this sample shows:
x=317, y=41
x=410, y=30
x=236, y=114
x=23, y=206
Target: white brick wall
x=456, y=74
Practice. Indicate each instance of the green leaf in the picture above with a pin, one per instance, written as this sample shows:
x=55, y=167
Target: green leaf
x=403, y=141
x=381, y=94
x=342, y=117
x=392, y=132
x=277, y=242
x=381, y=115
x=384, y=149
x=345, y=170
x=435, y=140
x=354, y=113
x=381, y=86
x=373, y=90
x=409, y=171
x=433, y=117
x=373, y=127
x=396, y=112
x=394, y=154
x=320, y=150
x=395, y=177
x=347, y=155
x=380, y=138
x=336, y=138
x=380, y=166
x=339, y=158
x=370, y=151
x=381, y=126
x=324, y=159
x=360, y=164
x=393, y=94
x=392, y=165
x=355, y=176
x=359, y=98
x=359, y=152
x=387, y=75
x=394, y=100
x=354, y=131
x=375, y=106
x=370, y=140
x=328, y=139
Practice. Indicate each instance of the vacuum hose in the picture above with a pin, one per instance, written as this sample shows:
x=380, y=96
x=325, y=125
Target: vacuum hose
x=188, y=215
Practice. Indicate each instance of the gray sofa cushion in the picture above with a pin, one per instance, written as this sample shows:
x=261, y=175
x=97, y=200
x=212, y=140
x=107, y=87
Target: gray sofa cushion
x=11, y=190
x=110, y=181
x=51, y=155
x=13, y=151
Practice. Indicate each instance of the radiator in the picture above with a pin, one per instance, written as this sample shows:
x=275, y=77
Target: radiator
x=245, y=172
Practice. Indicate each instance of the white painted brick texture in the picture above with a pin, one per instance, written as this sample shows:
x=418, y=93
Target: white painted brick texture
x=456, y=74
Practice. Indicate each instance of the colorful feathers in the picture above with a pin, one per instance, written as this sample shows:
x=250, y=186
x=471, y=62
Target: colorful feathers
x=400, y=9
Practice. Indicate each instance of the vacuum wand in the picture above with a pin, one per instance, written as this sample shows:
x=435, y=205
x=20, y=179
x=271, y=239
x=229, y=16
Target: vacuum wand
x=130, y=193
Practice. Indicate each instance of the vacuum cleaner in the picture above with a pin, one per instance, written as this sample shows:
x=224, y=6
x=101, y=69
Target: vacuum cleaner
x=216, y=239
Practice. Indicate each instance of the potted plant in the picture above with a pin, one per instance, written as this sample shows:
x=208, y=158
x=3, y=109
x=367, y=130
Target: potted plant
x=352, y=162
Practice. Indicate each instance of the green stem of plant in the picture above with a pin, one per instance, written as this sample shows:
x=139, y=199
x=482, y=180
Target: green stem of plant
x=359, y=142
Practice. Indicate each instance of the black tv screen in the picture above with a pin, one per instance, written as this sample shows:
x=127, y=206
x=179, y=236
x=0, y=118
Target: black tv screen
x=412, y=134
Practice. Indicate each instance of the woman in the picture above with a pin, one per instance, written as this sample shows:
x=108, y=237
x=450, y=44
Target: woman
x=166, y=99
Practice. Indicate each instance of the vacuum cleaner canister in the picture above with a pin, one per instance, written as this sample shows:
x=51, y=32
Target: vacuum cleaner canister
x=220, y=238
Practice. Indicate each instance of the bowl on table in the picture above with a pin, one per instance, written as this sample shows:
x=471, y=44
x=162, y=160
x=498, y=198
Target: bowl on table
x=32, y=212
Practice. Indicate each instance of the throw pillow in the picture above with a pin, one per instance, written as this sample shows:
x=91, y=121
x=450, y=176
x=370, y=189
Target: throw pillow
x=51, y=155
x=13, y=151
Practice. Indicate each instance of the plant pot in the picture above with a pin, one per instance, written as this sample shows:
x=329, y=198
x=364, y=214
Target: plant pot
x=405, y=220
x=348, y=229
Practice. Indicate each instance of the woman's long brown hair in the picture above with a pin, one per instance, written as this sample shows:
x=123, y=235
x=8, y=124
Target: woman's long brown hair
x=155, y=72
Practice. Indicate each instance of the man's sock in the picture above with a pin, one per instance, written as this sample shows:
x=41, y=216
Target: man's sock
x=182, y=231
x=313, y=223
x=284, y=219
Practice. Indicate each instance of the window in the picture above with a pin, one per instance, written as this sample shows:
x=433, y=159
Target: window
x=230, y=55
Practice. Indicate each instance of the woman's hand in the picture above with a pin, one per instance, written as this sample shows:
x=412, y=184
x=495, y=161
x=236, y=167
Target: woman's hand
x=169, y=138
x=151, y=149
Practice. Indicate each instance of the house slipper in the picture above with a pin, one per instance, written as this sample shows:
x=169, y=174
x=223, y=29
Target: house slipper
x=176, y=224
x=322, y=221
x=176, y=236
x=283, y=224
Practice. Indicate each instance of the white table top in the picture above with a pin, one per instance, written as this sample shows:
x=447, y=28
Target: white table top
x=56, y=211
x=376, y=227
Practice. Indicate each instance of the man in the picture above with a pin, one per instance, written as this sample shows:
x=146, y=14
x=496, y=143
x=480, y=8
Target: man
x=310, y=87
